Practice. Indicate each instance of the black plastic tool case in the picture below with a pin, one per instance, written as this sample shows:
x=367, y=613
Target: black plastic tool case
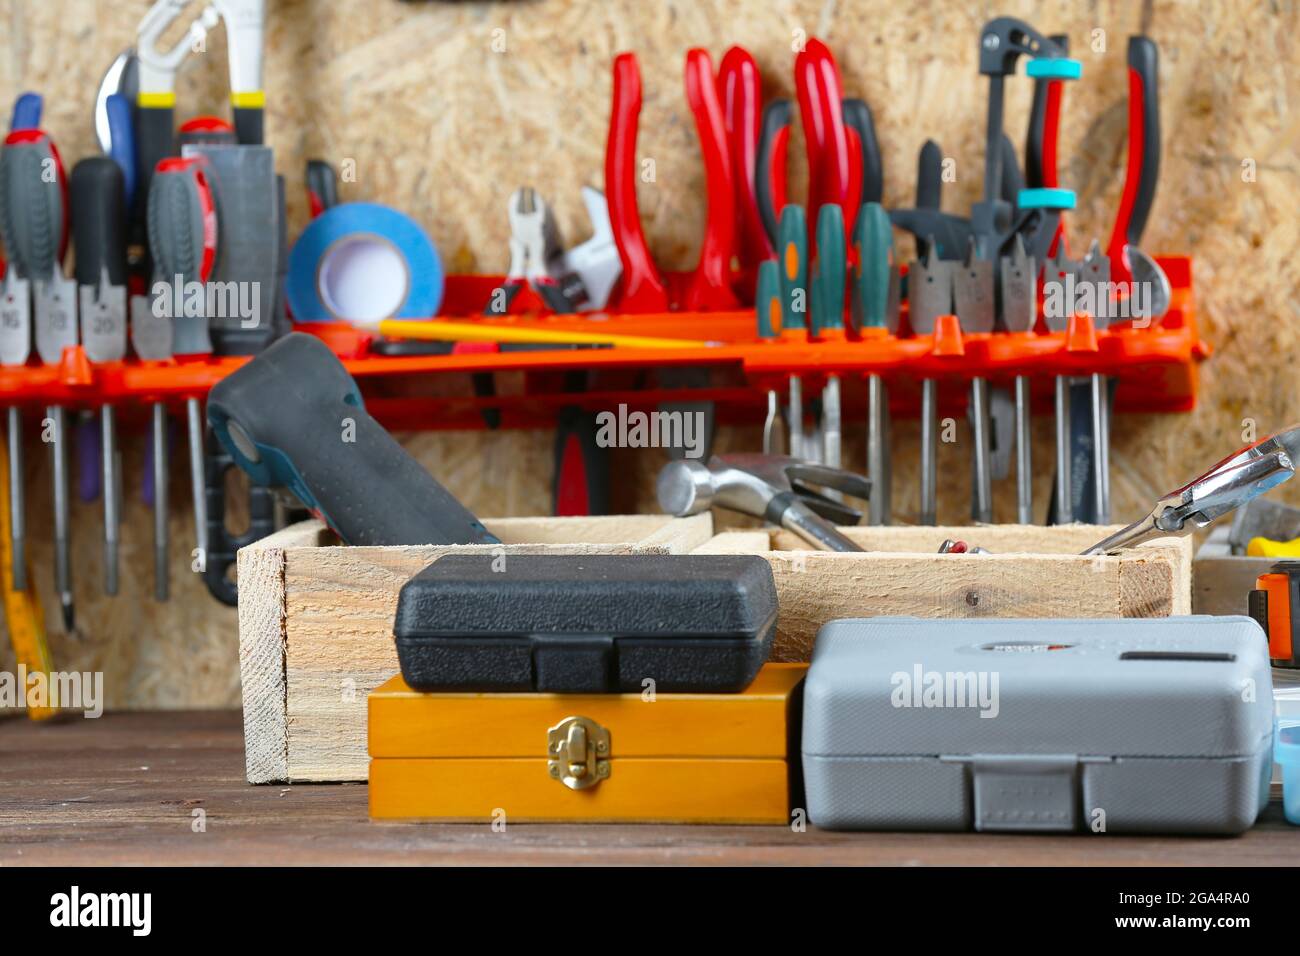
x=586, y=624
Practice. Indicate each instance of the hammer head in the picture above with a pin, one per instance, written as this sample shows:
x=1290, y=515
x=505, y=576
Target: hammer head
x=759, y=485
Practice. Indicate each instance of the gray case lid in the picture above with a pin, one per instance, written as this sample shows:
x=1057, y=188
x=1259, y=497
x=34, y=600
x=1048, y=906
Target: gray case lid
x=1161, y=687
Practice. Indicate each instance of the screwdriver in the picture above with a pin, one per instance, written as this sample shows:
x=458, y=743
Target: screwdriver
x=183, y=245
x=929, y=290
x=972, y=292
x=875, y=306
x=826, y=288
x=1095, y=270
x=1058, y=271
x=98, y=198
x=15, y=348
x=792, y=256
x=767, y=313
x=1019, y=278
x=35, y=217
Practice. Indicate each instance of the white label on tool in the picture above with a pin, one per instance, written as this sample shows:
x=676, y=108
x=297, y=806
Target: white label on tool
x=103, y=322
x=15, y=321
x=56, y=318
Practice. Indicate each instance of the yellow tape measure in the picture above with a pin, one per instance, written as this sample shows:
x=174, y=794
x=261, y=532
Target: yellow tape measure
x=23, y=613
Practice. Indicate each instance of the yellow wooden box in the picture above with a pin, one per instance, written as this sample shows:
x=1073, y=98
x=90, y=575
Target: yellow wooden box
x=678, y=758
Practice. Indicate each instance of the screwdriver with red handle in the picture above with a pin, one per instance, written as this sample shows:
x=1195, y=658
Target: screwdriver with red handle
x=183, y=245
x=34, y=213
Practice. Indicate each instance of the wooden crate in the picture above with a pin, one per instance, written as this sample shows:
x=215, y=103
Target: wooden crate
x=1034, y=571
x=316, y=628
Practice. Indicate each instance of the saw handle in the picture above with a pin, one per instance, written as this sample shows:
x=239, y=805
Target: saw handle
x=293, y=417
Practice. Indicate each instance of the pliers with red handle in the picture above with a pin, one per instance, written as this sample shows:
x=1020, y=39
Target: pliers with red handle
x=1143, y=156
x=642, y=288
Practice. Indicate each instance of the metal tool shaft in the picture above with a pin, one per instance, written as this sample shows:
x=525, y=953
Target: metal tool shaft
x=832, y=434
x=17, y=511
x=62, y=514
x=1101, y=466
x=161, y=581
x=1064, y=501
x=929, y=449
x=1024, y=454
x=111, y=483
x=198, y=487
x=796, y=417
x=878, y=465
x=982, y=492
x=770, y=422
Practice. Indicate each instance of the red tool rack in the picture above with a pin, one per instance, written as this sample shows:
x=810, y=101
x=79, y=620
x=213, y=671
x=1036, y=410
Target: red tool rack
x=1155, y=366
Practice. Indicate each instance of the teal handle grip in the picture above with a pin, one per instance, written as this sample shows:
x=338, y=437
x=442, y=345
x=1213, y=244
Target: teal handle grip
x=792, y=262
x=1046, y=199
x=874, y=238
x=1054, y=68
x=830, y=271
x=767, y=300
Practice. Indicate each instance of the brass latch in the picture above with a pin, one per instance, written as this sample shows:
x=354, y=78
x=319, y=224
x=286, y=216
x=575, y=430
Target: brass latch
x=578, y=752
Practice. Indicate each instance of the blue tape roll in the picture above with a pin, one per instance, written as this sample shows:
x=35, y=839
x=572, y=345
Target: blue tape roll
x=1054, y=68
x=362, y=262
x=1045, y=199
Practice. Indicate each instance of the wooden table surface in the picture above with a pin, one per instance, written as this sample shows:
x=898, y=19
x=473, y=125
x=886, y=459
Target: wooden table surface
x=123, y=790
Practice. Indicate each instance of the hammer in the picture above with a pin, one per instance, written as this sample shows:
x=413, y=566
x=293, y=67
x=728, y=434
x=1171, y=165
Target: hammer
x=772, y=487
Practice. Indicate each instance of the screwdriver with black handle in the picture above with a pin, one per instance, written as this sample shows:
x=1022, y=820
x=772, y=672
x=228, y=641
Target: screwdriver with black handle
x=99, y=230
x=294, y=418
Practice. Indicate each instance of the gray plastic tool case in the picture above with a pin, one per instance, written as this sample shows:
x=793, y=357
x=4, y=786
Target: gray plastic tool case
x=1108, y=726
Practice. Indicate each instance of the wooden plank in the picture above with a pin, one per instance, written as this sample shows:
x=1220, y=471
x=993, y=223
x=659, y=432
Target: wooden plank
x=319, y=628
x=1222, y=584
x=737, y=542
x=1034, y=571
x=148, y=772
x=261, y=648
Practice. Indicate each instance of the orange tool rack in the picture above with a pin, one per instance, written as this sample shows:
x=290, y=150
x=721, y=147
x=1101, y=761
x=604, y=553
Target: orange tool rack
x=1156, y=367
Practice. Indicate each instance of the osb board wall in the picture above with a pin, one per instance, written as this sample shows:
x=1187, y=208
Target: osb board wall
x=446, y=107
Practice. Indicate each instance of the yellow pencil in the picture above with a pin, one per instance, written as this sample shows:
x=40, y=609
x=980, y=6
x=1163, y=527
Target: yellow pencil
x=440, y=331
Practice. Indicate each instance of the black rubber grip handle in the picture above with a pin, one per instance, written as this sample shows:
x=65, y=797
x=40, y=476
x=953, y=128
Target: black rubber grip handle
x=98, y=198
x=155, y=140
x=31, y=209
x=857, y=114
x=929, y=193
x=323, y=183
x=1012, y=180
x=1144, y=61
x=1035, y=176
x=293, y=417
x=176, y=224
x=929, y=176
x=582, y=477
x=249, y=125
x=776, y=117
